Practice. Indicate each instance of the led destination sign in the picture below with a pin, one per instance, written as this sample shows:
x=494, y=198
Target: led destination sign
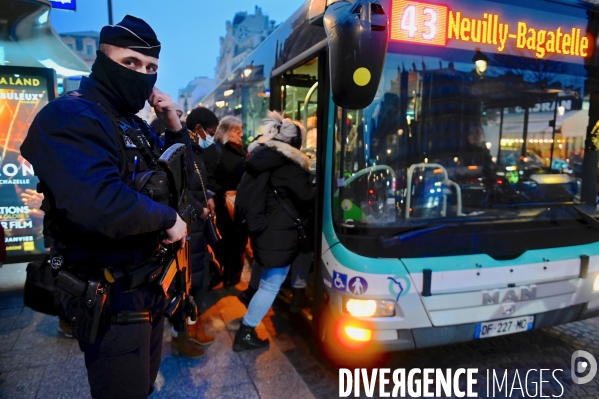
x=439, y=25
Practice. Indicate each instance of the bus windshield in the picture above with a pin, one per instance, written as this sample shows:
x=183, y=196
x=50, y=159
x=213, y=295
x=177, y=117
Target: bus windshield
x=443, y=140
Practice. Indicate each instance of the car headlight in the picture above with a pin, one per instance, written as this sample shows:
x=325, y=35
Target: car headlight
x=370, y=308
x=596, y=284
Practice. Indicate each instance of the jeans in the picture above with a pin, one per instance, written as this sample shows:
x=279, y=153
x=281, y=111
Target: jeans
x=299, y=271
x=270, y=283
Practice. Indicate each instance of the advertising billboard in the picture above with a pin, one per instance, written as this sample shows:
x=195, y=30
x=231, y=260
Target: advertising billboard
x=23, y=92
x=64, y=4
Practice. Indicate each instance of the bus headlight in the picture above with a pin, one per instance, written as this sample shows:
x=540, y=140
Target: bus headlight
x=370, y=308
x=358, y=334
x=596, y=284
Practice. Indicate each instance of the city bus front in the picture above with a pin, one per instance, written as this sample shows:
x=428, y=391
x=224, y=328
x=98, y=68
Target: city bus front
x=456, y=203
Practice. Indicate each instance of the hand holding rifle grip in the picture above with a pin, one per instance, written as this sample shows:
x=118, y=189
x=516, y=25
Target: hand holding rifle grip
x=173, y=163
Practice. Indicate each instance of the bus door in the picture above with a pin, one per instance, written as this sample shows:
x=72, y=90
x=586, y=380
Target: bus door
x=299, y=99
x=297, y=94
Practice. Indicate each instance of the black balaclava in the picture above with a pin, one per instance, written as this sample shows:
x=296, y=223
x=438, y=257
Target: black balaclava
x=127, y=90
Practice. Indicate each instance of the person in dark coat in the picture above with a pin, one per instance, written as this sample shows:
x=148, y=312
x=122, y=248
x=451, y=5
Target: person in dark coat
x=202, y=131
x=86, y=162
x=277, y=152
x=199, y=121
x=225, y=160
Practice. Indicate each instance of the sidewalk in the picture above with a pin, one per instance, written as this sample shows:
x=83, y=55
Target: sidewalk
x=38, y=362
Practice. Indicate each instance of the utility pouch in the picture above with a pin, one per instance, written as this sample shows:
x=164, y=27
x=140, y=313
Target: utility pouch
x=85, y=312
x=153, y=184
x=141, y=276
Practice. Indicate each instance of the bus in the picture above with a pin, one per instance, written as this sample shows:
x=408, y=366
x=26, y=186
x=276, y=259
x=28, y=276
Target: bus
x=456, y=163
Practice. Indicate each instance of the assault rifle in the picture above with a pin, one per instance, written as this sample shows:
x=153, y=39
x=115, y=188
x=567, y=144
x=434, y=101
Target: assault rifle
x=182, y=304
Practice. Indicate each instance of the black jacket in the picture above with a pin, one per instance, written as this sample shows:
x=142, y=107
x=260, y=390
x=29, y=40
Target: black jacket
x=77, y=152
x=199, y=252
x=225, y=164
x=277, y=245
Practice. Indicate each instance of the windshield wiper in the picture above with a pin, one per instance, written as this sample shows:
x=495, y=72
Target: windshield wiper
x=531, y=204
x=394, y=240
x=390, y=241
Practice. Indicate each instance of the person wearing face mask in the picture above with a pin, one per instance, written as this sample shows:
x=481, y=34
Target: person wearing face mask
x=201, y=258
x=202, y=124
x=89, y=150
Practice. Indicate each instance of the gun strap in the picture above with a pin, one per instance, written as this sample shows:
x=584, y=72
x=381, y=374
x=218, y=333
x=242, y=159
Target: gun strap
x=147, y=152
x=201, y=180
x=142, y=145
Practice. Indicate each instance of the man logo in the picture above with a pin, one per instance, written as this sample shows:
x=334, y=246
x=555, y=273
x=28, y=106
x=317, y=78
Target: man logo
x=510, y=295
x=579, y=366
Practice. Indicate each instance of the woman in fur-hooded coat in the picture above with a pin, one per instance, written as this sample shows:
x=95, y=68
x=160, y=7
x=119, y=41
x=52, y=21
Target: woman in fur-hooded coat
x=278, y=152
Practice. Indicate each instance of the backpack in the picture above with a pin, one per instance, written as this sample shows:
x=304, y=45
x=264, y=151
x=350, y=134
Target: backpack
x=250, y=203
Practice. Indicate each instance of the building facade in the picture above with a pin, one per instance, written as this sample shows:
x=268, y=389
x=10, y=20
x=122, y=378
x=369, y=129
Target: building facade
x=244, y=34
x=190, y=96
x=84, y=44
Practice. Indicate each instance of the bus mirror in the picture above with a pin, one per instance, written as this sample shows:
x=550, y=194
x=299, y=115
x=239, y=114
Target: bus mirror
x=358, y=38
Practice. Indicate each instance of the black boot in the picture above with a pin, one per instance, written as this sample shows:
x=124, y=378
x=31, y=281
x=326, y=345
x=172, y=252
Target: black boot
x=246, y=338
x=298, y=298
x=246, y=296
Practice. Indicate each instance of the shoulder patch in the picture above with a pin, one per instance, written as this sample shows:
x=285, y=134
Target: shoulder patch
x=128, y=142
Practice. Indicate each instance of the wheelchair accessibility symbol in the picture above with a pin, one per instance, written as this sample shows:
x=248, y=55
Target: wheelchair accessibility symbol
x=339, y=281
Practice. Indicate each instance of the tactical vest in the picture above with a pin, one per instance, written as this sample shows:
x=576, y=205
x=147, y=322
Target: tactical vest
x=139, y=160
x=139, y=169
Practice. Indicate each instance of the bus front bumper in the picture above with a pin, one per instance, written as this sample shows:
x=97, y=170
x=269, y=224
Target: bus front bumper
x=436, y=336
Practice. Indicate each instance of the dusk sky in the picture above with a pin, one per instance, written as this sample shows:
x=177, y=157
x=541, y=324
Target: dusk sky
x=188, y=29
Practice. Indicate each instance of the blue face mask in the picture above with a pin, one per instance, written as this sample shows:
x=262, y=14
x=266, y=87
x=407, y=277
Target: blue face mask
x=206, y=143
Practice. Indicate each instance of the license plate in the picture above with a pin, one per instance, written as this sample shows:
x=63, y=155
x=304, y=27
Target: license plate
x=503, y=327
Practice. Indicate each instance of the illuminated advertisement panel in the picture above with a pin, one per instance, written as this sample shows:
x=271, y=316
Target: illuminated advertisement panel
x=491, y=27
x=23, y=92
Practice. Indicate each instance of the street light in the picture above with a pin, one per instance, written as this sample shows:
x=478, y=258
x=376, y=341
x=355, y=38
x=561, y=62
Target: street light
x=481, y=62
x=248, y=70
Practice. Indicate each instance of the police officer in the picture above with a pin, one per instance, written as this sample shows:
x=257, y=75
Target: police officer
x=88, y=149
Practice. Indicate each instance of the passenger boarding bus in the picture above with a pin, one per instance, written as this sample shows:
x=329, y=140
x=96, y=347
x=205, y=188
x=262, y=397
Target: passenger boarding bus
x=455, y=145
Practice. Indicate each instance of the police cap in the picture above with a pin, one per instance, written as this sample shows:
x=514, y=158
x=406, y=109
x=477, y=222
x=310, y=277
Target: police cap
x=132, y=33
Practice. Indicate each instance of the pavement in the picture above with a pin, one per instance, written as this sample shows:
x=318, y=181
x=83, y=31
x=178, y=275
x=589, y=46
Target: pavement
x=38, y=362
